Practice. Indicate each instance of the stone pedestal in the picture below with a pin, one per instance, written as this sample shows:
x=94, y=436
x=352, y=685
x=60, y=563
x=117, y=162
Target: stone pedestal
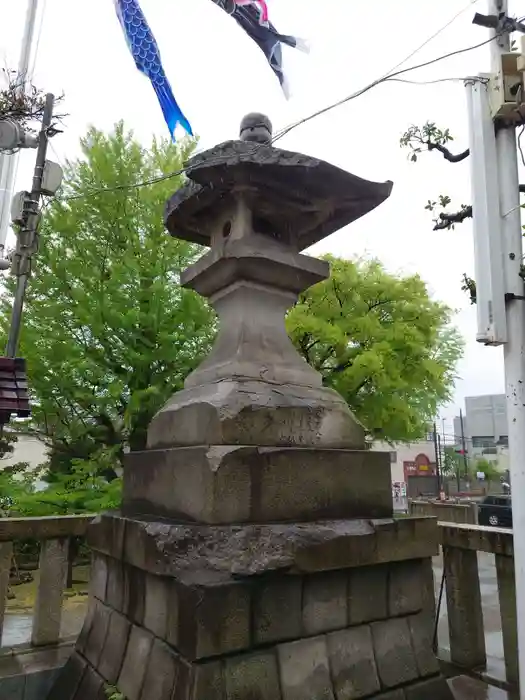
x=256, y=557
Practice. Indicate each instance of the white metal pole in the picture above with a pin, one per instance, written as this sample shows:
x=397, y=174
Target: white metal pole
x=8, y=163
x=514, y=348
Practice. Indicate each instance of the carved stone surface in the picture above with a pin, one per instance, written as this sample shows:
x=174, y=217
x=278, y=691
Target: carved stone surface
x=255, y=557
x=193, y=553
x=256, y=413
x=299, y=199
x=225, y=484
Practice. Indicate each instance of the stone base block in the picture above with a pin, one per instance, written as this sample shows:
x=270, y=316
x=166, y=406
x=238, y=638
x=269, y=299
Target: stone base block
x=192, y=553
x=256, y=413
x=226, y=484
x=369, y=661
x=338, y=611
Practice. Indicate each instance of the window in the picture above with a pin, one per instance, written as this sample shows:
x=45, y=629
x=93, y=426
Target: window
x=503, y=440
x=483, y=441
x=393, y=457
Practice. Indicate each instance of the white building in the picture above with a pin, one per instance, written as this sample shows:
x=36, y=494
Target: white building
x=410, y=459
x=485, y=429
x=27, y=448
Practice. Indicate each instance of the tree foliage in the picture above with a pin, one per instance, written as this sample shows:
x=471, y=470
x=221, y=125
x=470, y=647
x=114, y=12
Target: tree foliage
x=382, y=342
x=108, y=333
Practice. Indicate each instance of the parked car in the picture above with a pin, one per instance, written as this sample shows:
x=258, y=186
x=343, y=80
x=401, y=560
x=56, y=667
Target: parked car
x=496, y=511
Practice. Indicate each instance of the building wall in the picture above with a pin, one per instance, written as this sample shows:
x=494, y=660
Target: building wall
x=485, y=416
x=401, y=453
x=27, y=449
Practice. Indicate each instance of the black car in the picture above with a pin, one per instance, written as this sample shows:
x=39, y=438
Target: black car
x=495, y=511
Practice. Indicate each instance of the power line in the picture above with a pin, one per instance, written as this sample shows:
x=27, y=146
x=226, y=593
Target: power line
x=384, y=79
x=432, y=37
x=283, y=132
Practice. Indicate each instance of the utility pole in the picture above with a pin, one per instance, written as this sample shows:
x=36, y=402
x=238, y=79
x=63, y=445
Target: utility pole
x=27, y=236
x=514, y=348
x=463, y=446
x=8, y=163
x=496, y=107
x=436, y=452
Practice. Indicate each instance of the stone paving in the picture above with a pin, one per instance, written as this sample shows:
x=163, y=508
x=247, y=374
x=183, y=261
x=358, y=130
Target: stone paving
x=468, y=689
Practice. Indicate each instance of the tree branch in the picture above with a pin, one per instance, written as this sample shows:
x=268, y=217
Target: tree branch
x=447, y=155
x=447, y=220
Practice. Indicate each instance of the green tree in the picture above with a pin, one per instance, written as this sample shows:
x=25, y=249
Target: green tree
x=108, y=333
x=382, y=342
x=490, y=469
x=453, y=463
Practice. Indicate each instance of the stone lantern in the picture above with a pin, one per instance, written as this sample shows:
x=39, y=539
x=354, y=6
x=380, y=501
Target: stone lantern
x=255, y=556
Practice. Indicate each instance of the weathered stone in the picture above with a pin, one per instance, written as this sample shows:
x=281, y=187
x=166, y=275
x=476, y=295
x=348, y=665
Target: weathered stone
x=414, y=537
x=351, y=655
x=325, y=604
x=161, y=674
x=12, y=688
x=421, y=630
x=432, y=689
x=428, y=592
x=208, y=682
x=213, y=620
x=90, y=685
x=68, y=679
x=135, y=594
x=86, y=627
x=135, y=663
x=52, y=567
x=305, y=672
x=330, y=197
x=405, y=588
x=252, y=677
x=156, y=605
x=97, y=635
x=106, y=534
x=254, y=412
x=391, y=695
x=184, y=681
x=465, y=614
x=37, y=685
x=509, y=622
x=396, y=663
x=115, y=591
x=188, y=551
x=172, y=624
x=277, y=610
x=112, y=656
x=98, y=577
x=225, y=484
x=367, y=594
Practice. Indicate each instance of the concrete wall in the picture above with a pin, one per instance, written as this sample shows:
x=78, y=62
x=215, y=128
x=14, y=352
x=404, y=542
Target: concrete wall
x=446, y=512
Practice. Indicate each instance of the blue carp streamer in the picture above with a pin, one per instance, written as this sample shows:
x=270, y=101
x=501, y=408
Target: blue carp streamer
x=146, y=55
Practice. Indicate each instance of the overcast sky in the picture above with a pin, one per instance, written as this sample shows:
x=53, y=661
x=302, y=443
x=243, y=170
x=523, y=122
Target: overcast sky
x=218, y=75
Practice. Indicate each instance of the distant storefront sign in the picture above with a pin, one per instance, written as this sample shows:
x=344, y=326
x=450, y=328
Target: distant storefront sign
x=421, y=466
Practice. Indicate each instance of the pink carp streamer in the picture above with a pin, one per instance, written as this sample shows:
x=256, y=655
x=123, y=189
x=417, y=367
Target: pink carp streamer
x=260, y=5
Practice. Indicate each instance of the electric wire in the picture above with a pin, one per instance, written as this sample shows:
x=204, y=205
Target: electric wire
x=393, y=77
